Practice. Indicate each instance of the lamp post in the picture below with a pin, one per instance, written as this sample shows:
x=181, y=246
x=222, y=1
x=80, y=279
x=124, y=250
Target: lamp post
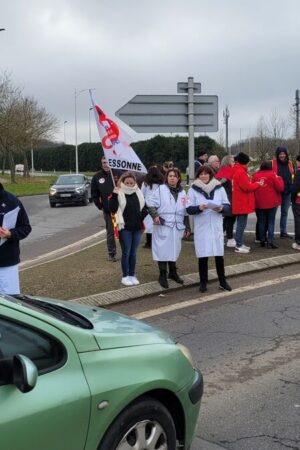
x=65, y=131
x=90, y=130
x=76, y=93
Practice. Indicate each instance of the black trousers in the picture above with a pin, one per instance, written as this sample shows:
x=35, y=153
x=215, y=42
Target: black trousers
x=296, y=212
x=203, y=269
x=228, y=223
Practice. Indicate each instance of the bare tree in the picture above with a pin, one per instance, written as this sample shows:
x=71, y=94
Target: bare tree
x=23, y=124
x=263, y=145
x=277, y=128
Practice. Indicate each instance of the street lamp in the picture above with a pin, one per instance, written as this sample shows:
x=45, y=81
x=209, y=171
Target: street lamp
x=90, y=133
x=65, y=131
x=75, y=101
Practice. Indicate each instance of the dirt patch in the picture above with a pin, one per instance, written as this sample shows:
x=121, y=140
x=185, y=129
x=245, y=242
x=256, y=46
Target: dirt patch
x=89, y=272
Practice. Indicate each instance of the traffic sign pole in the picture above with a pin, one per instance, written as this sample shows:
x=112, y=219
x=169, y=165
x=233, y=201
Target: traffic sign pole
x=191, y=129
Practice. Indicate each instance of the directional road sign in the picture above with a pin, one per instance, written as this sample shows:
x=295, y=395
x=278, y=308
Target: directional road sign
x=169, y=113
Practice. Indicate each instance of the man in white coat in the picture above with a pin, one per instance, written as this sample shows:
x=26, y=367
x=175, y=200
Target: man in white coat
x=167, y=207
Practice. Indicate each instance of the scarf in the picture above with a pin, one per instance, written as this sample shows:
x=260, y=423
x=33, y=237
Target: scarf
x=207, y=188
x=126, y=190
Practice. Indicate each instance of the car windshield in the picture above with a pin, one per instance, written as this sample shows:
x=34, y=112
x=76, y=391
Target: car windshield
x=57, y=311
x=70, y=179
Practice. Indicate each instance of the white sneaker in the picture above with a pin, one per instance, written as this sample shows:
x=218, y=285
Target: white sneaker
x=127, y=281
x=245, y=247
x=241, y=250
x=231, y=243
x=296, y=246
x=134, y=280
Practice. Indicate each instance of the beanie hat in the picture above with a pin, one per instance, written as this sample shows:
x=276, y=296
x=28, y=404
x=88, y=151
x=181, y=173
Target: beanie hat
x=202, y=152
x=242, y=158
x=281, y=149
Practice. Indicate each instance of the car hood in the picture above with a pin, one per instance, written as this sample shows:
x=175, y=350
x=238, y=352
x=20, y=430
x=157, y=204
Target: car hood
x=62, y=187
x=114, y=330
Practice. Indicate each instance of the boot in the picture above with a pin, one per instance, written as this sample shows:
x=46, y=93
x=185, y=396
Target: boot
x=173, y=273
x=163, y=274
x=148, y=240
x=203, y=273
x=221, y=274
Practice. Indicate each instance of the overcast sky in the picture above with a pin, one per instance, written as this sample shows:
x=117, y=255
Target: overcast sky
x=246, y=52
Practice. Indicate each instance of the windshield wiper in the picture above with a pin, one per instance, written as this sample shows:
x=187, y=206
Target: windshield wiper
x=58, y=311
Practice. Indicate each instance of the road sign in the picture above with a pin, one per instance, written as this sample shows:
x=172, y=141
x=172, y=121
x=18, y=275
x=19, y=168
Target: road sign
x=169, y=113
x=182, y=87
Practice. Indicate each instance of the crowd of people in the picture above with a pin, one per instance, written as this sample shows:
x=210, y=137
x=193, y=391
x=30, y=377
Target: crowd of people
x=222, y=196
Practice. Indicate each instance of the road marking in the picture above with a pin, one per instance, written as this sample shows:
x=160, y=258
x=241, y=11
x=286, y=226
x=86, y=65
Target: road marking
x=209, y=298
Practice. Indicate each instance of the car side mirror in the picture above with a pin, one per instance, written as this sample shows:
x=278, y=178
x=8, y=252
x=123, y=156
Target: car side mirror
x=24, y=373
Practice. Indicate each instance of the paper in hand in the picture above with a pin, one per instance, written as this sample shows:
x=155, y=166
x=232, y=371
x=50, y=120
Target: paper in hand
x=9, y=221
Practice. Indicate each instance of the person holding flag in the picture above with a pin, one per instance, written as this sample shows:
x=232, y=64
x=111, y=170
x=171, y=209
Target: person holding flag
x=128, y=202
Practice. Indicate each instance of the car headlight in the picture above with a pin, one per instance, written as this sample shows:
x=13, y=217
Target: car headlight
x=185, y=351
x=52, y=191
x=79, y=190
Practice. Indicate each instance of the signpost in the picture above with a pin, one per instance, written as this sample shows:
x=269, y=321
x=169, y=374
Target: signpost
x=185, y=112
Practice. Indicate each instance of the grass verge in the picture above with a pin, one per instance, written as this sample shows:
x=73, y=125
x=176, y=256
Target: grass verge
x=88, y=272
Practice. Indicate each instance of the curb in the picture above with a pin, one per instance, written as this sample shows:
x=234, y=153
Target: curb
x=63, y=252
x=142, y=290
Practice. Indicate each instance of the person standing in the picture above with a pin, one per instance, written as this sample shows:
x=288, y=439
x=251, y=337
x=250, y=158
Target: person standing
x=167, y=207
x=283, y=167
x=102, y=186
x=243, y=201
x=207, y=201
x=14, y=227
x=214, y=163
x=128, y=202
x=152, y=180
x=224, y=175
x=295, y=198
x=202, y=157
x=267, y=200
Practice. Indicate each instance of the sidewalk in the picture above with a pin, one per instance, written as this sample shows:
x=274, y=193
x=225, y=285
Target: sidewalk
x=142, y=290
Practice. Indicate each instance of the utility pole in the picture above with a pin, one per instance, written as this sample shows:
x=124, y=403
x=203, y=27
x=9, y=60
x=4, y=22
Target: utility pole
x=226, y=115
x=297, y=110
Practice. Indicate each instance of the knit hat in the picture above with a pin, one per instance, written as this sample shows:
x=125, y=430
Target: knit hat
x=242, y=158
x=202, y=152
x=281, y=149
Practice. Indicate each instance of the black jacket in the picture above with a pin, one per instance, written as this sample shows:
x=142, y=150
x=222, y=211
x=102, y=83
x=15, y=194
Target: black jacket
x=101, y=187
x=132, y=215
x=10, y=249
x=295, y=187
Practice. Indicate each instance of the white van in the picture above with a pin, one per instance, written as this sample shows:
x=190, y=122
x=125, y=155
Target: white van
x=19, y=168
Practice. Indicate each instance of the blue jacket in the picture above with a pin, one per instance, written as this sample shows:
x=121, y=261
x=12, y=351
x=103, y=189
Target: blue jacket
x=10, y=249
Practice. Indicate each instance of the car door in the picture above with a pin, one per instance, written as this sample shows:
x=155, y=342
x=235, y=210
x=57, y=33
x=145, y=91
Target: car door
x=55, y=414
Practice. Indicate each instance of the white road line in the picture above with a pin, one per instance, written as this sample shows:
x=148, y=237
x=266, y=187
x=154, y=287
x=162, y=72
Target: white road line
x=209, y=298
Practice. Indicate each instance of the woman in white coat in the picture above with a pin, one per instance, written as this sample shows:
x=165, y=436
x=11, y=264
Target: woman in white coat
x=207, y=201
x=152, y=180
x=167, y=207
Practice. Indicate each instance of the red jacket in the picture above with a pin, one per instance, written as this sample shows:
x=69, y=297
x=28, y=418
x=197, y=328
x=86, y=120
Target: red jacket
x=269, y=195
x=243, y=201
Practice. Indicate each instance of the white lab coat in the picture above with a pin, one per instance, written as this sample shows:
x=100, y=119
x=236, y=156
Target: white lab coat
x=147, y=192
x=166, y=239
x=208, y=224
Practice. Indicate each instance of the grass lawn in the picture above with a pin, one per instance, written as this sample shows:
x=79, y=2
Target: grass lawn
x=33, y=185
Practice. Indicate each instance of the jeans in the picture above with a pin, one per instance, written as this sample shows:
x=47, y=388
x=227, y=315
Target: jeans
x=129, y=241
x=110, y=236
x=296, y=212
x=285, y=204
x=241, y=223
x=266, y=222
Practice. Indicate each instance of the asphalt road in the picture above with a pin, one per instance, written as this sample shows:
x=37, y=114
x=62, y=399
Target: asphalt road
x=54, y=228
x=247, y=346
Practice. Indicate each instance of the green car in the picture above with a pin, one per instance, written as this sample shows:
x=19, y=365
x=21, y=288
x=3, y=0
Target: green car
x=81, y=378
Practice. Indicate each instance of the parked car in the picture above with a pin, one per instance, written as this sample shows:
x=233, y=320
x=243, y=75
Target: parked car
x=74, y=377
x=19, y=168
x=71, y=189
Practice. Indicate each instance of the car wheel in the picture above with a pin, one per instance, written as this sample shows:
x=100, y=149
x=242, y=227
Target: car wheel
x=145, y=424
x=85, y=200
x=52, y=205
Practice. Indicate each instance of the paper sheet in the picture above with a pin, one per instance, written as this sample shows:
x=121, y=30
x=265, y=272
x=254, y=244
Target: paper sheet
x=212, y=205
x=9, y=221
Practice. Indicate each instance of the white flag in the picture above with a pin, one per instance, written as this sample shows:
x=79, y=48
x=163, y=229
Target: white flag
x=116, y=143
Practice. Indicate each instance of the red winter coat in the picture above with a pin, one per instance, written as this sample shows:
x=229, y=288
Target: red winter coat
x=243, y=201
x=269, y=195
